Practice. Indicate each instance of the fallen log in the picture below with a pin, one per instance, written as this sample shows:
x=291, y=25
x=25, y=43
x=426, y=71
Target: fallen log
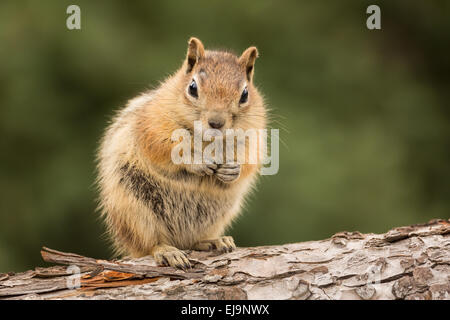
x=410, y=262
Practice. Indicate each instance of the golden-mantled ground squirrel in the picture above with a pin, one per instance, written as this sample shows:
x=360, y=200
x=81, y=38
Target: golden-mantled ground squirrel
x=152, y=205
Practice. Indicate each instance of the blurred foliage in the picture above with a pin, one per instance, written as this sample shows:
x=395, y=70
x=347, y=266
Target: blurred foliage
x=364, y=114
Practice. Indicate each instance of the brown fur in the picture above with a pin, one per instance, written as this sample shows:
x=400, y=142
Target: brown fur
x=150, y=204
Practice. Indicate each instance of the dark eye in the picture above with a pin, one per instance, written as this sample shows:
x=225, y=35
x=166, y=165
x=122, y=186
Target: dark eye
x=244, y=96
x=193, y=89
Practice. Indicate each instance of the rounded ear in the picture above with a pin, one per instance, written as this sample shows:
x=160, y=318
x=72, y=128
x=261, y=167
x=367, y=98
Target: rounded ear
x=194, y=53
x=247, y=60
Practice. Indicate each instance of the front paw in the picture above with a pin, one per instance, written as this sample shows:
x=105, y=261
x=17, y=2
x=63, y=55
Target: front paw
x=202, y=169
x=228, y=172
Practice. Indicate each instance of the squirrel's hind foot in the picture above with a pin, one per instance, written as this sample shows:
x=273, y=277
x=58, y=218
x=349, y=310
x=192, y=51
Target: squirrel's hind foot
x=222, y=244
x=171, y=256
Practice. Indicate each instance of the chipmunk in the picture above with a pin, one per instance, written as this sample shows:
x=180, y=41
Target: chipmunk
x=153, y=206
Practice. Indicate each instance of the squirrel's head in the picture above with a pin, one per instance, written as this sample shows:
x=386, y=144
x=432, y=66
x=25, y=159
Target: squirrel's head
x=217, y=89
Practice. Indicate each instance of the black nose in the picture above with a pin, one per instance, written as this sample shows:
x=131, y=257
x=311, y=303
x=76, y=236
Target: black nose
x=216, y=123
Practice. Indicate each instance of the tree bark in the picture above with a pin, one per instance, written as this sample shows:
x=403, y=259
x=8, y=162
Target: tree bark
x=405, y=263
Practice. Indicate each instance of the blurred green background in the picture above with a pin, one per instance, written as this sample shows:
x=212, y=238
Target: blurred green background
x=364, y=115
